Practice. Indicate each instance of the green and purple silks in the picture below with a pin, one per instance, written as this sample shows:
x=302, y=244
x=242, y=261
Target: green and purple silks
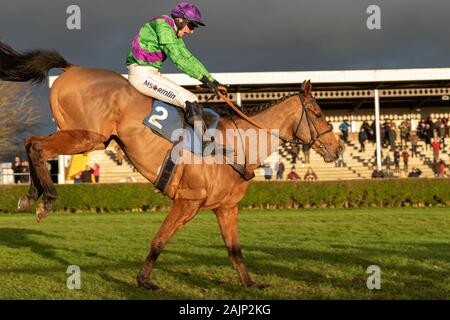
x=156, y=41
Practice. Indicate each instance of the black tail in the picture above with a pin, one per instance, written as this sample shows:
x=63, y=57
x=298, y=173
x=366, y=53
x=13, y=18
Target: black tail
x=28, y=66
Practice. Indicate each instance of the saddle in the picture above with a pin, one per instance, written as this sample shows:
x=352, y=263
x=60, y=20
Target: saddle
x=169, y=122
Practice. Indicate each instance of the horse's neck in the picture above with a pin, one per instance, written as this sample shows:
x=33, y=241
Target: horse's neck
x=278, y=119
x=280, y=116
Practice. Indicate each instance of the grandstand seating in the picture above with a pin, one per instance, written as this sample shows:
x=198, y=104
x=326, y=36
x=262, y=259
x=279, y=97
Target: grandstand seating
x=356, y=164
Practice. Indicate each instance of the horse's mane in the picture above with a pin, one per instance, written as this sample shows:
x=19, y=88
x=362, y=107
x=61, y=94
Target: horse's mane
x=250, y=110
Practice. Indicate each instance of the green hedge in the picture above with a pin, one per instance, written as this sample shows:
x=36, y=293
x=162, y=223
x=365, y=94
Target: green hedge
x=331, y=194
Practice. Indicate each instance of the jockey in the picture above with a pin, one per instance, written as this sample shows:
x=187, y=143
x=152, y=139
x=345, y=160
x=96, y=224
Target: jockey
x=161, y=38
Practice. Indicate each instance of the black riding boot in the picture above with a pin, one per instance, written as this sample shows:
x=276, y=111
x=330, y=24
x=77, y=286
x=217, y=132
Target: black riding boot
x=194, y=116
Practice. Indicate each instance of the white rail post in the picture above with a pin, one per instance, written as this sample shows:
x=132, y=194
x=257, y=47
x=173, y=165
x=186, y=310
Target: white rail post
x=377, y=127
x=238, y=99
x=61, y=170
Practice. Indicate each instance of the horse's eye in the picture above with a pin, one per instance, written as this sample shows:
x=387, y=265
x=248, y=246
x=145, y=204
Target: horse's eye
x=319, y=115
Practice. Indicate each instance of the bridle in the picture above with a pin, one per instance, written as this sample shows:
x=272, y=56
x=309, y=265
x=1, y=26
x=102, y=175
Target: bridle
x=315, y=134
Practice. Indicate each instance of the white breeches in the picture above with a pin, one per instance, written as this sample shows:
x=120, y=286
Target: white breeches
x=149, y=81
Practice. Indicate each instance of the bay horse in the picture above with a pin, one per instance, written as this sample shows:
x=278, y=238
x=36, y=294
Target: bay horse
x=93, y=106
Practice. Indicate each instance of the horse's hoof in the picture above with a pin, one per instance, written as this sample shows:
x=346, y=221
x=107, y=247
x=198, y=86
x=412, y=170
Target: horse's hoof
x=41, y=213
x=146, y=284
x=24, y=204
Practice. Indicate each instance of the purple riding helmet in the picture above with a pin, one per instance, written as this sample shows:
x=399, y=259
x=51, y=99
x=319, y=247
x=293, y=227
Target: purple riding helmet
x=188, y=12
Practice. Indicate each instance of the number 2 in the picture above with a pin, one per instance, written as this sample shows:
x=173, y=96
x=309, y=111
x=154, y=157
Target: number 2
x=162, y=116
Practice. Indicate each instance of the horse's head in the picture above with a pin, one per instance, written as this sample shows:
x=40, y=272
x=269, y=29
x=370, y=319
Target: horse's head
x=312, y=127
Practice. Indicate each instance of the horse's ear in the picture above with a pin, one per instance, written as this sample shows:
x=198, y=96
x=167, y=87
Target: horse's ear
x=303, y=87
x=306, y=87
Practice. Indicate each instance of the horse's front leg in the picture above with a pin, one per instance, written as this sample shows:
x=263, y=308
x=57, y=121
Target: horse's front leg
x=228, y=223
x=181, y=213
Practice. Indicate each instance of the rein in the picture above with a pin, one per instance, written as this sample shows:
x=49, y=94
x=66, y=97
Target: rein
x=239, y=112
x=314, y=133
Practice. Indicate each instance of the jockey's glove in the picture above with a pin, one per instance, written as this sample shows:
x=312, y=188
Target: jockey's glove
x=214, y=86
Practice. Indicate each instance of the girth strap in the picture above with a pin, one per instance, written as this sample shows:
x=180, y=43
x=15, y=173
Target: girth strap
x=165, y=173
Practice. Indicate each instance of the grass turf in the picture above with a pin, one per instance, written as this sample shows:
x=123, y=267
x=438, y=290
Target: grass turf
x=300, y=254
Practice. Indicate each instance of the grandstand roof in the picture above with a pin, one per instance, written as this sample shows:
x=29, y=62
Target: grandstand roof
x=344, y=76
x=342, y=89
x=318, y=77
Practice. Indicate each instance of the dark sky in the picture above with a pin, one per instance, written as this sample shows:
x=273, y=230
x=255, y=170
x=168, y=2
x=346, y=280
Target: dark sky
x=245, y=35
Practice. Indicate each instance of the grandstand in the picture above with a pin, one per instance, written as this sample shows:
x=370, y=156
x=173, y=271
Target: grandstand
x=356, y=95
x=356, y=164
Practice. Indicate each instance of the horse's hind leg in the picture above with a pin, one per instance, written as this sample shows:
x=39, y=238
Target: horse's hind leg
x=181, y=213
x=228, y=223
x=39, y=149
x=36, y=189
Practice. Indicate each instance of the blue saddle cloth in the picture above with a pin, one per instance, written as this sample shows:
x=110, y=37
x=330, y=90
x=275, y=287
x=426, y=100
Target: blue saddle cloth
x=168, y=121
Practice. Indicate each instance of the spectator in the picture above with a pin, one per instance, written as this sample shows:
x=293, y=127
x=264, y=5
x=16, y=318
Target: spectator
x=362, y=136
x=366, y=128
x=119, y=155
x=441, y=168
x=435, y=168
x=436, y=146
x=396, y=160
x=279, y=169
x=306, y=149
x=414, y=141
x=372, y=132
x=440, y=132
x=387, y=163
x=310, y=175
x=16, y=169
x=377, y=173
x=293, y=175
x=344, y=127
x=428, y=135
x=392, y=137
x=77, y=177
x=267, y=172
x=415, y=173
x=405, y=156
x=340, y=160
x=25, y=172
x=96, y=172
x=393, y=126
x=405, y=130
x=446, y=127
x=421, y=129
x=384, y=133
x=295, y=149
x=86, y=175
x=429, y=121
